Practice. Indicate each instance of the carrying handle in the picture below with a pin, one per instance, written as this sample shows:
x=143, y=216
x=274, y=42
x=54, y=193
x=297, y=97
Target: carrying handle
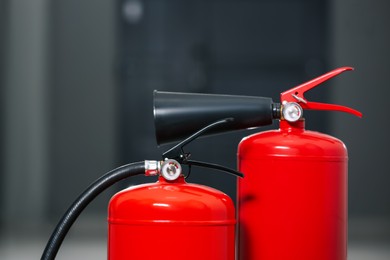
x=296, y=94
x=177, y=152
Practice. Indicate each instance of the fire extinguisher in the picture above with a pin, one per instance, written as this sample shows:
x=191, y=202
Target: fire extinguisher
x=291, y=203
x=293, y=200
x=167, y=219
x=173, y=219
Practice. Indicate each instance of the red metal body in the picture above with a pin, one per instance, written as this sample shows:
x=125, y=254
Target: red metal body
x=293, y=199
x=171, y=220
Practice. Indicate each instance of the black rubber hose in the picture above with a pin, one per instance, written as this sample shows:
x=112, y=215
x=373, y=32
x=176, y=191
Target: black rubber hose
x=82, y=202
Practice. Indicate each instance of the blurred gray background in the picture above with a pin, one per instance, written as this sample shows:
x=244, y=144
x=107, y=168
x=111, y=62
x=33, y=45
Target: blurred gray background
x=76, y=83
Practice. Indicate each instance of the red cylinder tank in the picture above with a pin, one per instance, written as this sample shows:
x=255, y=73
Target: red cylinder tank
x=293, y=199
x=171, y=220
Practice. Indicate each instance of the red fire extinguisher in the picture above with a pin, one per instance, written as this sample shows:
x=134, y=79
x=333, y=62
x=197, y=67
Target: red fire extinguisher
x=167, y=219
x=293, y=200
x=171, y=219
x=291, y=203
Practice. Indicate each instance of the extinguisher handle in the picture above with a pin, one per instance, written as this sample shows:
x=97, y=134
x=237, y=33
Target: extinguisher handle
x=177, y=152
x=296, y=94
x=213, y=166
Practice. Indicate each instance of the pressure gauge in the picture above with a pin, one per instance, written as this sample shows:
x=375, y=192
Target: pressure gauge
x=171, y=169
x=292, y=111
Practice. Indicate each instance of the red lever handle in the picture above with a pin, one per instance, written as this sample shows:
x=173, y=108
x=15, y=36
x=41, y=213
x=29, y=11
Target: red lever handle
x=296, y=94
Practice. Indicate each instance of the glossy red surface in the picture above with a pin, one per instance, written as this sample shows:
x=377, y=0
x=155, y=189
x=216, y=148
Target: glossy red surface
x=171, y=220
x=293, y=199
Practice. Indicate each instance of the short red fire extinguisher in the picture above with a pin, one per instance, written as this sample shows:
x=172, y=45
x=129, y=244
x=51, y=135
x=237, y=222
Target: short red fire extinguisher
x=167, y=219
x=171, y=219
x=292, y=201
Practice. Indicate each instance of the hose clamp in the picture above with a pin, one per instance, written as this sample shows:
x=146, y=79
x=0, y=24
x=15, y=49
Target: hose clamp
x=152, y=168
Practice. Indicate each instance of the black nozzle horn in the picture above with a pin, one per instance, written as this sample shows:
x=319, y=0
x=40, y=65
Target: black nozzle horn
x=179, y=115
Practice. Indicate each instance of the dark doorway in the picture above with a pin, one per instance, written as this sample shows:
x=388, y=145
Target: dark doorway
x=258, y=48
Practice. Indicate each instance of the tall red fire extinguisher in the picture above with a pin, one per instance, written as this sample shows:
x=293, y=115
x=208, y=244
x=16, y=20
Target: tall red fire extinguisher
x=293, y=200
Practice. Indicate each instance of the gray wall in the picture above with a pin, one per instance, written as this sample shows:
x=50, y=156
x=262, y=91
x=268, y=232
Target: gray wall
x=83, y=99
x=3, y=23
x=25, y=112
x=361, y=38
x=59, y=112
